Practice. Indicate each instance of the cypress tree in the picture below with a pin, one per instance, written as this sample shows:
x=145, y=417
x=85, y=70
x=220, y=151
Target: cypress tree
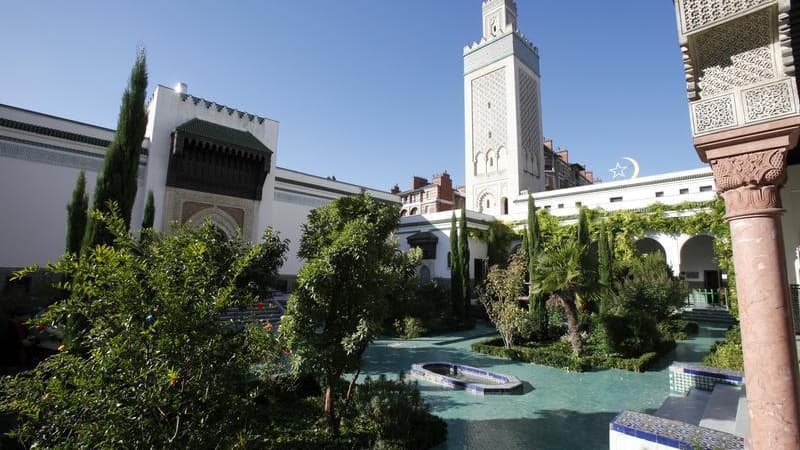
x=149, y=212
x=463, y=254
x=583, y=229
x=536, y=303
x=117, y=181
x=77, y=215
x=457, y=300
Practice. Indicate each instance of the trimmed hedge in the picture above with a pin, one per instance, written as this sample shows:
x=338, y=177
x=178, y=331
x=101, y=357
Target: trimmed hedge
x=678, y=329
x=558, y=354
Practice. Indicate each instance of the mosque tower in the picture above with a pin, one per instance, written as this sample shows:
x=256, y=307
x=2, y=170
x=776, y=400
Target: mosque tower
x=503, y=113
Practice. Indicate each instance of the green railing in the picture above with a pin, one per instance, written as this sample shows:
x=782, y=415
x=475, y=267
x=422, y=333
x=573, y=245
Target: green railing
x=707, y=298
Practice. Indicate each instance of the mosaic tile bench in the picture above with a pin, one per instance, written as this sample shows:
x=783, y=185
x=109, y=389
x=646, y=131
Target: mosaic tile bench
x=629, y=429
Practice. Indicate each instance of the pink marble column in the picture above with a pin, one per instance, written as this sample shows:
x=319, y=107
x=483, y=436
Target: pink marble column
x=750, y=184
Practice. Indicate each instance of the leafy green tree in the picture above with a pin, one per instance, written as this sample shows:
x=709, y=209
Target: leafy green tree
x=498, y=242
x=605, y=271
x=463, y=254
x=537, y=303
x=77, y=215
x=455, y=271
x=149, y=212
x=558, y=274
x=162, y=370
x=341, y=299
x=117, y=181
x=499, y=297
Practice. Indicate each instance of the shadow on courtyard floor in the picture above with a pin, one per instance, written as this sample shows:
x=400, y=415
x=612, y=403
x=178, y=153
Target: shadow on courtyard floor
x=553, y=429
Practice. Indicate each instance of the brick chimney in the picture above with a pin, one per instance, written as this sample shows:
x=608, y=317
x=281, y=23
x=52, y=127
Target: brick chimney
x=563, y=154
x=418, y=182
x=590, y=176
x=548, y=144
x=445, y=186
x=395, y=190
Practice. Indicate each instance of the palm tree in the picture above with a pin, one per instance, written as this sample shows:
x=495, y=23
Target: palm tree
x=558, y=273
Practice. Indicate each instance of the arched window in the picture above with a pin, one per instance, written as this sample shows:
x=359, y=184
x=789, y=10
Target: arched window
x=504, y=205
x=403, y=213
x=413, y=211
x=488, y=203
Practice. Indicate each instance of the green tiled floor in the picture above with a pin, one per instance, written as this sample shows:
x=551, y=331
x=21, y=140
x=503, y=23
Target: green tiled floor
x=561, y=410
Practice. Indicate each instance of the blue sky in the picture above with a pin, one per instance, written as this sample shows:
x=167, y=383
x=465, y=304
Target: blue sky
x=370, y=91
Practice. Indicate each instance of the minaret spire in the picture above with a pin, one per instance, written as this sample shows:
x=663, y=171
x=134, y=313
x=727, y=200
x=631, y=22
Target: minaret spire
x=499, y=17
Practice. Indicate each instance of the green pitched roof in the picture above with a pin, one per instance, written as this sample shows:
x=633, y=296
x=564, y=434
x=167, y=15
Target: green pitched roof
x=223, y=135
x=422, y=237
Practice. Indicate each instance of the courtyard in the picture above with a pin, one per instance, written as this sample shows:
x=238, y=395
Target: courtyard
x=559, y=410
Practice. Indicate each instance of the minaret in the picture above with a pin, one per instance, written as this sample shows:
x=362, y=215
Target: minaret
x=503, y=119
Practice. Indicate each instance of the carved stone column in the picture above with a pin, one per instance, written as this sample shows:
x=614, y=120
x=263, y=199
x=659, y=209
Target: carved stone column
x=749, y=167
x=739, y=59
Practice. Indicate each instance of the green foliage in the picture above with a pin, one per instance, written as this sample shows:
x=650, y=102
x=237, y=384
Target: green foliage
x=409, y=327
x=341, y=299
x=117, y=182
x=727, y=354
x=559, y=275
x=77, y=215
x=677, y=329
x=464, y=258
x=649, y=287
x=500, y=296
x=559, y=354
x=555, y=354
x=149, y=212
x=629, y=335
x=498, y=241
x=160, y=369
x=533, y=243
x=397, y=414
x=456, y=292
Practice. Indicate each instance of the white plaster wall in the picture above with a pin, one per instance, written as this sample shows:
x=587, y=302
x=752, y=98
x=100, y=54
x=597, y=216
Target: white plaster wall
x=440, y=224
x=791, y=223
x=638, y=193
x=34, y=196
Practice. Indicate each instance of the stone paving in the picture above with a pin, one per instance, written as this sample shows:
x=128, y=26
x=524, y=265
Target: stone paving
x=559, y=410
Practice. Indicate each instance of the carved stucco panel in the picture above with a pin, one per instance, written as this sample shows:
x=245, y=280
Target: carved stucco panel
x=769, y=101
x=489, y=116
x=715, y=114
x=529, y=121
x=700, y=13
x=735, y=54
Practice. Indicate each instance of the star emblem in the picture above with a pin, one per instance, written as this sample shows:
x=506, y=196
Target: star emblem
x=618, y=171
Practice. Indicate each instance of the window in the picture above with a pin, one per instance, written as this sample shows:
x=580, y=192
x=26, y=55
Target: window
x=504, y=205
x=615, y=199
x=490, y=135
x=684, y=191
x=489, y=105
x=659, y=194
x=705, y=189
x=488, y=203
x=491, y=162
x=546, y=206
x=560, y=206
x=578, y=204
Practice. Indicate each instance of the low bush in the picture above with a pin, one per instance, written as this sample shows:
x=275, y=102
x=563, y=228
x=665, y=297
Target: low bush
x=409, y=328
x=727, y=354
x=554, y=354
x=559, y=354
x=630, y=335
x=677, y=329
x=393, y=411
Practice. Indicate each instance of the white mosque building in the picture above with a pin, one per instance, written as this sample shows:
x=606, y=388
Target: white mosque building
x=205, y=160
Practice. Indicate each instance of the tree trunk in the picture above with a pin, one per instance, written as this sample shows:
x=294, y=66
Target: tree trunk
x=333, y=423
x=571, y=310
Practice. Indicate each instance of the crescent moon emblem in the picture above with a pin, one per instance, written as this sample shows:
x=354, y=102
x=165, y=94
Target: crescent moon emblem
x=635, y=167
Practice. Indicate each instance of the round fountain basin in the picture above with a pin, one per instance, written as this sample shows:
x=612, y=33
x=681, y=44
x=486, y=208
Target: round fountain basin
x=471, y=379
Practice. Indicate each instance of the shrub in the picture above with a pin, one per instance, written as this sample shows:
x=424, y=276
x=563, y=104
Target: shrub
x=677, y=329
x=395, y=412
x=648, y=287
x=160, y=369
x=629, y=335
x=727, y=354
x=554, y=354
x=409, y=328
